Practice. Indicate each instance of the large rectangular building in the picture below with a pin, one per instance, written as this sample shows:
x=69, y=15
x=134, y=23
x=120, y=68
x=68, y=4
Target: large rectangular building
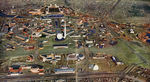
x=62, y=71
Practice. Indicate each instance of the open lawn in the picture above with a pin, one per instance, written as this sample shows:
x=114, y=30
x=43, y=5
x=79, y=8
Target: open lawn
x=128, y=52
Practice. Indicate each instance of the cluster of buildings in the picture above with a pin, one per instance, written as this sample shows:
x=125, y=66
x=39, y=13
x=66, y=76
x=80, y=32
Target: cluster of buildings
x=125, y=30
x=51, y=58
x=106, y=56
x=54, y=57
x=53, y=22
x=22, y=69
x=145, y=35
x=19, y=69
x=36, y=69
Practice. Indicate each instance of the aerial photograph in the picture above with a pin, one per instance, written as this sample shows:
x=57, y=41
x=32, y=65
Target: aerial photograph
x=74, y=40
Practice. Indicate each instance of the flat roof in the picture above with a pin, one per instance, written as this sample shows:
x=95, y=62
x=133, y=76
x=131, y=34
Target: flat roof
x=60, y=45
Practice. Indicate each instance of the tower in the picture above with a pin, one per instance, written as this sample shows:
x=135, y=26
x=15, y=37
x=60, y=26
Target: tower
x=62, y=36
x=65, y=30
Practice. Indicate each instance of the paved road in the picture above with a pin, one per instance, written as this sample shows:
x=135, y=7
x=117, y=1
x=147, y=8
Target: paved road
x=84, y=62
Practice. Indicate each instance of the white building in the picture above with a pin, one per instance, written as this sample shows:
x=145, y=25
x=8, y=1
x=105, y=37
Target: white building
x=116, y=60
x=50, y=57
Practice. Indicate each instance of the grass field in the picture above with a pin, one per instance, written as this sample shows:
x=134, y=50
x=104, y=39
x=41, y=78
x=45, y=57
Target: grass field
x=48, y=47
x=128, y=52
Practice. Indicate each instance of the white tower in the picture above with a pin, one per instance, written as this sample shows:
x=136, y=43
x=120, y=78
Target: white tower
x=65, y=30
x=60, y=36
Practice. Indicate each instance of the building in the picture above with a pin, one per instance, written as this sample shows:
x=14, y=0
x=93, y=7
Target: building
x=64, y=70
x=80, y=56
x=35, y=68
x=131, y=31
x=148, y=37
x=100, y=57
x=9, y=47
x=74, y=56
x=36, y=34
x=51, y=57
x=30, y=58
x=15, y=70
x=35, y=12
x=29, y=47
x=75, y=35
x=89, y=42
x=53, y=9
x=21, y=37
x=116, y=60
x=113, y=42
x=94, y=67
x=58, y=46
